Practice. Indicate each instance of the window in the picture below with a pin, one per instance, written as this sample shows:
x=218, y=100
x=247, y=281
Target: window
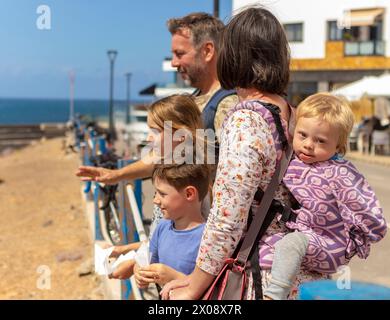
x=364, y=40
x=294, y=32
x=376, y=31
x=334, y=33
x=298, y=91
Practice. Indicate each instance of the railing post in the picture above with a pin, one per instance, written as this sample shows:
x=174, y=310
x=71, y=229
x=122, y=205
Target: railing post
x=94, y=146
x=123, y=213
x=87, y=162
x=102, y=145
x=138, y=194
x=98, y=230
x=88, y=152
x=83, y=146
x=77, y=132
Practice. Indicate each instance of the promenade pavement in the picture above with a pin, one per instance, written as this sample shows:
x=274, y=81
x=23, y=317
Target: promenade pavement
x=368, y=158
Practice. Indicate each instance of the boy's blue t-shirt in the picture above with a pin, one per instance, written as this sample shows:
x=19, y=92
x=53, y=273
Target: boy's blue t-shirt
x=175, y=248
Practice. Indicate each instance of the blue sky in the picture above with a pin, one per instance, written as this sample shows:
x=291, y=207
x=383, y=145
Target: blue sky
x=35, y=63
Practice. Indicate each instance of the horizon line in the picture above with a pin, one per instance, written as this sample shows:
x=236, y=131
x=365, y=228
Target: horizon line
x=61, y=98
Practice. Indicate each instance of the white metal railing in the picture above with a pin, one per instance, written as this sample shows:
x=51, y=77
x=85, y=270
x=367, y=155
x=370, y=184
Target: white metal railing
x=136, y=214
x=140, y=230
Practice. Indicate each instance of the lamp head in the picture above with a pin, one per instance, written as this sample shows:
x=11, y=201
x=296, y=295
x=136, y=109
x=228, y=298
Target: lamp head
x=112, y=54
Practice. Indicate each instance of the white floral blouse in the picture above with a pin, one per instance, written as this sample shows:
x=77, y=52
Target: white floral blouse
x=247, y=162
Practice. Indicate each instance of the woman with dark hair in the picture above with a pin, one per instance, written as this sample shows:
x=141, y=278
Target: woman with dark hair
x=254, y=59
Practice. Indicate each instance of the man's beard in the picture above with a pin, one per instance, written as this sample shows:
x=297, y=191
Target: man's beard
x=194, y=75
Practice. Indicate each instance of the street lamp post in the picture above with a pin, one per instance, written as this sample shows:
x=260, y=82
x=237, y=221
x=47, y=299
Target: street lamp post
x=128, y=76
x=216, y=8
x=112, y=55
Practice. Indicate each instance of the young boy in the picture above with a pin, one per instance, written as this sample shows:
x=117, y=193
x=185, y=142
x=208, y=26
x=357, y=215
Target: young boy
x=339, y=214
x=174, y=246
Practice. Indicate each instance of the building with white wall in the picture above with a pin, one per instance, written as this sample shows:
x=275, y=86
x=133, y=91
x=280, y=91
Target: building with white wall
x=332, y=42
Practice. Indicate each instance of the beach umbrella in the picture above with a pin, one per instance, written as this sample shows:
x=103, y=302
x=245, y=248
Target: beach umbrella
x=381, y=87
x=370, y=87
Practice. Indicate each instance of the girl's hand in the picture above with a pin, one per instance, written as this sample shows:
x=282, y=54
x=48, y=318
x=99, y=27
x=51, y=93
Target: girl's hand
x=124, y=271
x=118, y=250
x=140, y=279
x=89, y=173
x=123, y=249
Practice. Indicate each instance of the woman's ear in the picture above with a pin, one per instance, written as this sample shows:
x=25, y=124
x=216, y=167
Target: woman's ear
x=191, y=193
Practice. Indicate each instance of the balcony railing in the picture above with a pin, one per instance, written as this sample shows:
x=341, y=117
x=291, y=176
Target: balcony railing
x=364, y=48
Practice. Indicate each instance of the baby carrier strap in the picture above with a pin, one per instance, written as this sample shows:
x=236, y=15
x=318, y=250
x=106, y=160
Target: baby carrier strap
x=248, y=250
x=211, y=107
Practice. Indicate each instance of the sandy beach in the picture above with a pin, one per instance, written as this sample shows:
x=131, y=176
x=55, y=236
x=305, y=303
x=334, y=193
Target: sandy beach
x=45, y=244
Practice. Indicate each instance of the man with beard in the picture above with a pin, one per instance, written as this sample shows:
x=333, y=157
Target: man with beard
x=195, y=40
x=194, y=48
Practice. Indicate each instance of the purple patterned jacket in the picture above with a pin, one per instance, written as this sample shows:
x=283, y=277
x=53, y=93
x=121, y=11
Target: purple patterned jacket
x=339, y=212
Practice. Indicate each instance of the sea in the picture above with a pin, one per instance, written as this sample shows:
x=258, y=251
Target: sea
x=14, y=111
